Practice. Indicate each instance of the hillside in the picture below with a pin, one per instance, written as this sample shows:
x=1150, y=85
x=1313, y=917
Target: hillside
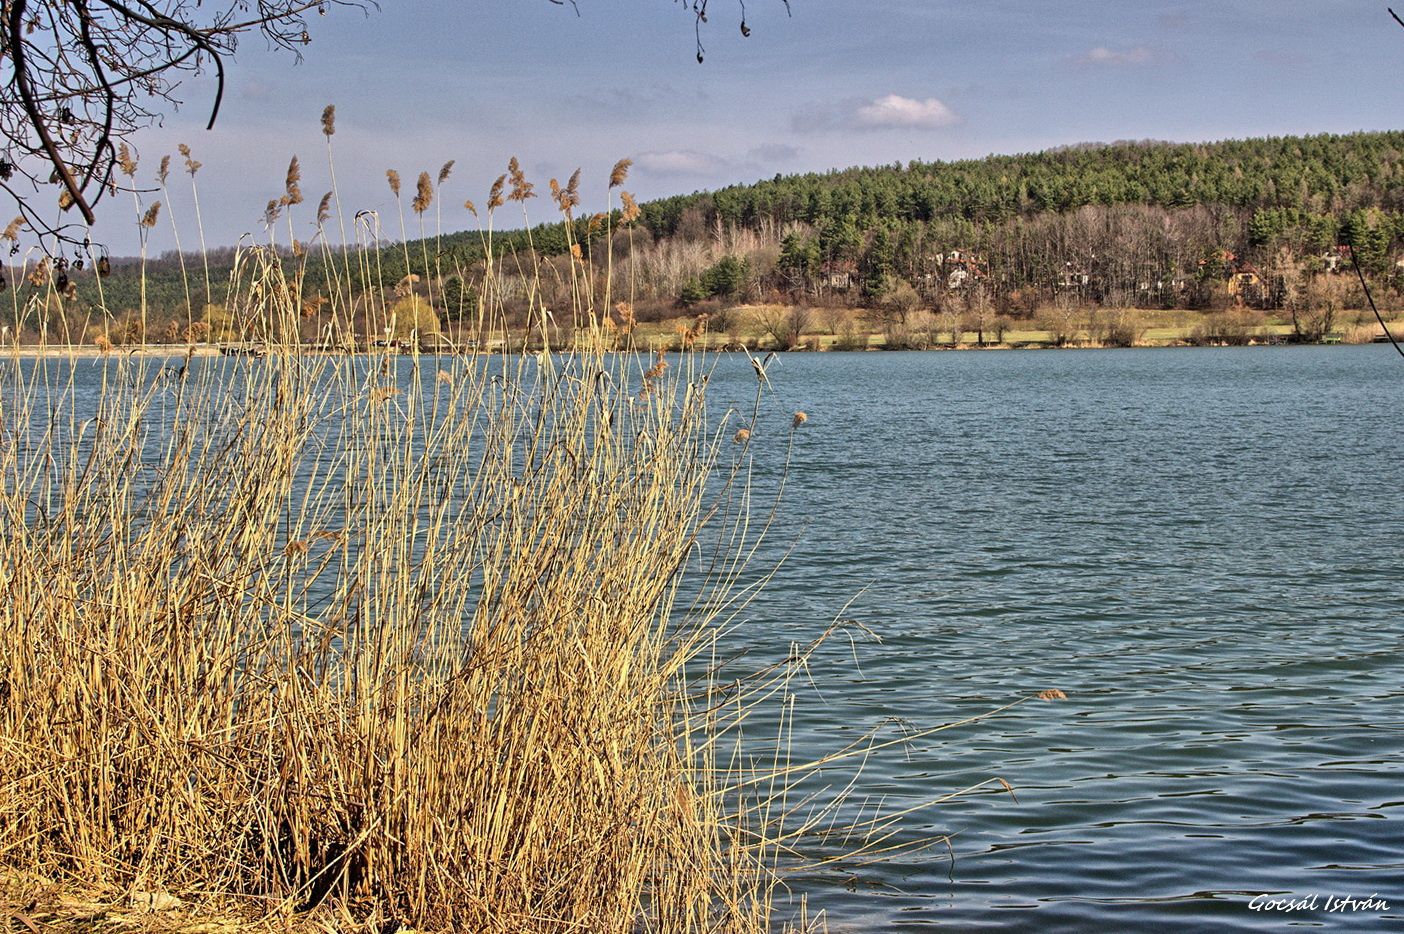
x=1268, y=224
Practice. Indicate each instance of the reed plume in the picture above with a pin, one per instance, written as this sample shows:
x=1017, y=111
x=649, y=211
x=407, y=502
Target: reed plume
x=191, y=166
x=631, y=209
x=125, y=161
x=521, y=188
x=424, y=194
x=329, y=120
x=572, y=192
x=620, y=172
x=290, y=184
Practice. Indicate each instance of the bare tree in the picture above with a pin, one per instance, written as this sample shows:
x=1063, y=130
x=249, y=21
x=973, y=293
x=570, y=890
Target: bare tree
x=783, y=325
x=699, y=11
x=1315, y=307
x=84, y=75
x=80, y=77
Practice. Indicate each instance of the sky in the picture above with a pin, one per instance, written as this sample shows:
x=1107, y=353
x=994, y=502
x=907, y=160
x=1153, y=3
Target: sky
x=825, y=84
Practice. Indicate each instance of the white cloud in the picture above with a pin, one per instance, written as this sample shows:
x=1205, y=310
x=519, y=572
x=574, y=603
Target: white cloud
x=1102, y=55
x=884, y=113
x=681, y=162
x=897, y=111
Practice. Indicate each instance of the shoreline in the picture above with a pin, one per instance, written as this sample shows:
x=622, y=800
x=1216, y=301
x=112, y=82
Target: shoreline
x=89, y=351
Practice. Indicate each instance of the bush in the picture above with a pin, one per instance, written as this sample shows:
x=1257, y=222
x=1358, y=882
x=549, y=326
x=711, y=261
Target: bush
x=396, y=635
x=411, y=317
x=1232, y=329
x=399, y=667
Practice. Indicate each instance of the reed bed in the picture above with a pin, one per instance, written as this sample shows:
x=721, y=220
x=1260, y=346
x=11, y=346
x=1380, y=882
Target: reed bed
x=395, y=640
x=392, y=633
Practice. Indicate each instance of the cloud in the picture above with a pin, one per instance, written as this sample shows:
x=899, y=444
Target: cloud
x=773, y=152
x=884, y=113
x=896, y=111
x=1102, y=55
x=681, y=162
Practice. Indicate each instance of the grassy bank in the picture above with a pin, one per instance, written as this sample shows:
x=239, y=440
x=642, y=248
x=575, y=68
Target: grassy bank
x=1152, y=329
x=776, y=327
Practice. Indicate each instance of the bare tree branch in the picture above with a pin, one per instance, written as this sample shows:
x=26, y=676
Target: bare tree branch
x=80, y=76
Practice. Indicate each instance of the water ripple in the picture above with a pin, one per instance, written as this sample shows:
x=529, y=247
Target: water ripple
x=1190, y=544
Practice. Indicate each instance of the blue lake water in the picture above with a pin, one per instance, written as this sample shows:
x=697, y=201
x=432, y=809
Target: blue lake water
x=1204, y=549
x=1200, y=547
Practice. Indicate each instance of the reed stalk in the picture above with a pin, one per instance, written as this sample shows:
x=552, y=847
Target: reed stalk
x=395, y=636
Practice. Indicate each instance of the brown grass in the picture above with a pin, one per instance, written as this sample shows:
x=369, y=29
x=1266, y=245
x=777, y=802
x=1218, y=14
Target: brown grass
x=398, y=638
x=269, y=640
x=387, y=639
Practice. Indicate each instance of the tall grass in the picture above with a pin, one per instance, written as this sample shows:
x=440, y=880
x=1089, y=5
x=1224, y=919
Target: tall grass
x=393, y=634
x=302, y=626
x=423, y=640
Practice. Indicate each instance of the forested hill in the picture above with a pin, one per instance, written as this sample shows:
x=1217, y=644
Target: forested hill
x=1326, y=174
x=1142, y=224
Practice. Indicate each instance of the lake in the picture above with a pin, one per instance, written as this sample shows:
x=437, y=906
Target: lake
x=1200, y=547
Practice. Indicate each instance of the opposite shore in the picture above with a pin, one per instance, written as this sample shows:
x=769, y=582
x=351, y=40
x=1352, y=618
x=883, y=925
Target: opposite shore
x=657, y=340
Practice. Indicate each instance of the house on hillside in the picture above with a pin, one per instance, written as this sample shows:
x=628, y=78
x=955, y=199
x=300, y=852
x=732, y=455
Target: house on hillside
x=1071, y=276
x=1246, y=284
x=840, y=275
x=1216, y=264
x=1239, y=280
x=961, y=269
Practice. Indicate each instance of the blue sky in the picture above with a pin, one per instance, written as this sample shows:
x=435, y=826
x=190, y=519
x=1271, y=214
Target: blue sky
x=832, y=84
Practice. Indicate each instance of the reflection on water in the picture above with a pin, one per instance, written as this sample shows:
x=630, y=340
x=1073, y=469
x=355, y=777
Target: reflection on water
x=1200, y=547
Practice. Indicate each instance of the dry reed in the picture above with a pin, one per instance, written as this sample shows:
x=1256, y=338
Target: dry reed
x=392, y=635
x=397, y=638
x=269, y=640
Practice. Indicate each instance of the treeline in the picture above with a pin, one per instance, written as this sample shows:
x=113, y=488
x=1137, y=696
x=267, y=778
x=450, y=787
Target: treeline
x=1327, y=174
x=172, y=281
x=1131, y=223
x=1268, y=224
